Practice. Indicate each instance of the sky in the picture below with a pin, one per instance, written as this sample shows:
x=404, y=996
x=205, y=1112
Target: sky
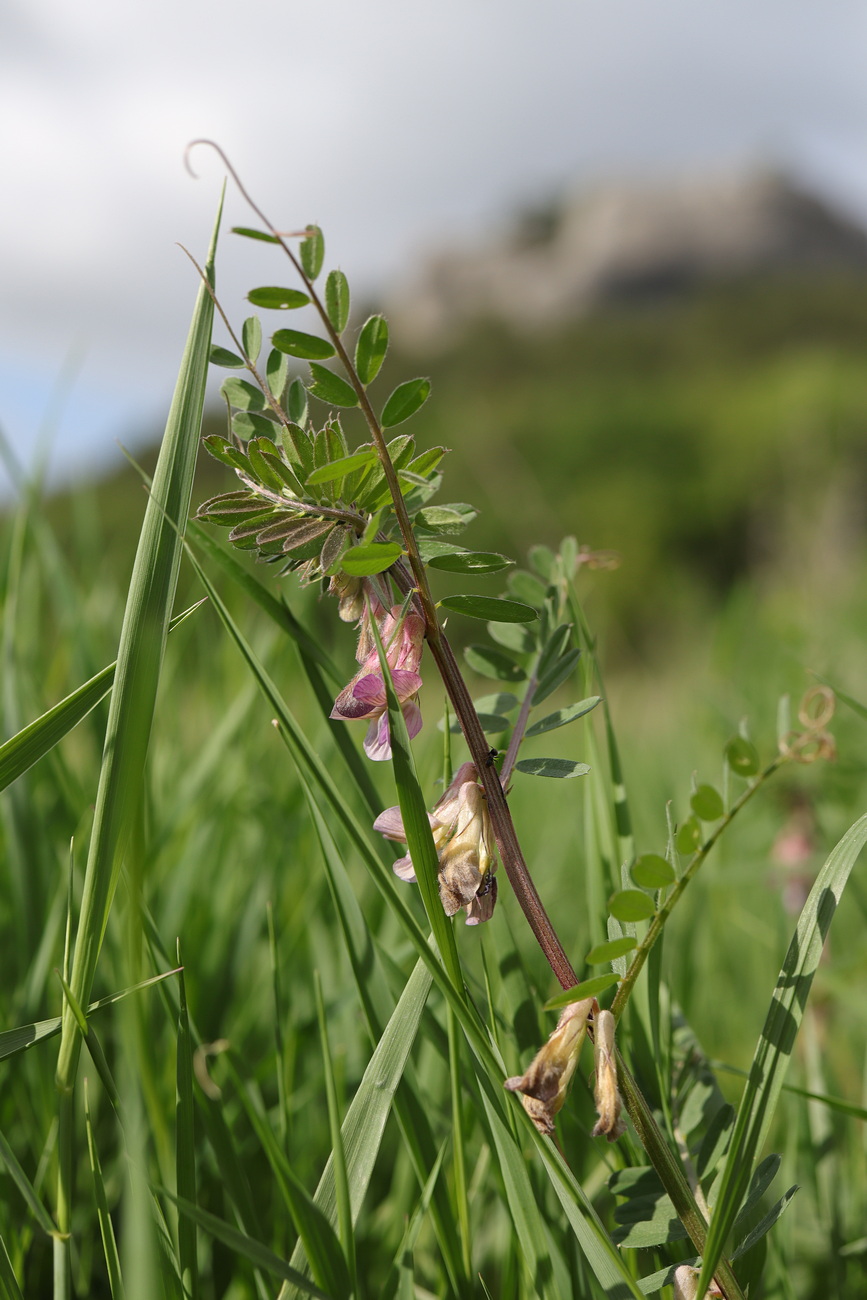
x=396, y=125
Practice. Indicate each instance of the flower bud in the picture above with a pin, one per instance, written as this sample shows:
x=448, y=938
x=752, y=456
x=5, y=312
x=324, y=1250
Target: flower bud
x=609, y=1103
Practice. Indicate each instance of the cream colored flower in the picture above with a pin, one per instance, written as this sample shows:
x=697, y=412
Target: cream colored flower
x=464, y=841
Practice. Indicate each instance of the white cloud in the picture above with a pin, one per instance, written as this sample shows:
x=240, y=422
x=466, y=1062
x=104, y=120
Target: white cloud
x=392, y=123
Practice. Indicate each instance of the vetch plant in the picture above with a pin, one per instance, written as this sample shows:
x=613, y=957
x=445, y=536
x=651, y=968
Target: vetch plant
x=494, y=1178
x=339, y=512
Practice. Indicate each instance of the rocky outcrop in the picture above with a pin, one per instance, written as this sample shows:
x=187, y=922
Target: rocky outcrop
x=628, y=243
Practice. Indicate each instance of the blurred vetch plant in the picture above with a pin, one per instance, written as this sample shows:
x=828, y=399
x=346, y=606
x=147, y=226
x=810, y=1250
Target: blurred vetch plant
x=359, y=522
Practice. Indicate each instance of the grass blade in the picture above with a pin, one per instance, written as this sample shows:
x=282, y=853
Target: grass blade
x=338, y=1155
x=365, y=1120
x=21, y=751
x=459, y=1140
x=257, y=1254
x=106, y=1227
x=139, y=660
x=400, y=1279
x=13, y=1041
x=9, y=1288
x=409, y=1110
x=318, y=1241
x=185, y=1145
x=26, y=1188
x=777, y=1040
x=419, y=837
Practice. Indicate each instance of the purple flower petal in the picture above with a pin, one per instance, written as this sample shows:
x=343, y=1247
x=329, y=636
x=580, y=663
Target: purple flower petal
x=412, y=717
x=377, y=742
x=350, y=706
x=403, y=867
x=390, y=824
x=370, y=688
x=405, y=683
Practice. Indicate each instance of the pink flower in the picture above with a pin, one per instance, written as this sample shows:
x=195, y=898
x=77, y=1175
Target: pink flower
x=464, y=842
x=364, y=696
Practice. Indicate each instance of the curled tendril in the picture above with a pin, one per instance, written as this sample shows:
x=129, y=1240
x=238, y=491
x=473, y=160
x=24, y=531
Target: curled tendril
x=817, y=707
x=597, y=559
x=279, y=235
x=814, y=714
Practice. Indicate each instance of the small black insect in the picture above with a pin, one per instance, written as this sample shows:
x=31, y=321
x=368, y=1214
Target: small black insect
x=492, y=754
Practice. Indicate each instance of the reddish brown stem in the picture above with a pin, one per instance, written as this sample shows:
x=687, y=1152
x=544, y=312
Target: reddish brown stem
x=501, y=818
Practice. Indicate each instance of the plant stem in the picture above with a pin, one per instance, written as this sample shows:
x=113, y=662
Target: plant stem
x=626, y=985
x=511, y=856
x=520, y=727
x=671, y=1176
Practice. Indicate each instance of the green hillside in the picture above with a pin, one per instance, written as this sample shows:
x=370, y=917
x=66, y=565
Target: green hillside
x=704, y=439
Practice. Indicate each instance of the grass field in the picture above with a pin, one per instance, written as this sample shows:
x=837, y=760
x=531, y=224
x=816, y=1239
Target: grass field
x=318, y=1089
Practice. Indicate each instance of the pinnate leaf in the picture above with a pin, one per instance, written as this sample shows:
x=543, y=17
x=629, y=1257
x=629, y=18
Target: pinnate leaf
x=225, y=452
x=489, y=661
x=556, y=675
x=250, y=233
x=242, y=394
x=443, y=519
x=295, y=343
x=277, y=299
x=631, y=905
x=312, y=252
x=406, y=399
x=296, y=402
x=362, y=561
x=490, y=607
x=330, y=388
x=337, y=300
x=223, y=357
x=276, y=372
x=527, y=588
x=586, y=989
x=563, y=716
x=460, y=561
x=707, y=803
x=501, y=702
x=742, y=756
x=610, y=951
x=553, y=767
x=371, y=348
x=688, y=836
x=651, y=871
x=340, y=468
x=252, y=424
x=233, y=508
x=251, y=337
x=514, y=636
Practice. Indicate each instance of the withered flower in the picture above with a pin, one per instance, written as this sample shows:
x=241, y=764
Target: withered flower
x=545, y=1082
x=686, y=1284
x=609, y=1103
x=464, y=842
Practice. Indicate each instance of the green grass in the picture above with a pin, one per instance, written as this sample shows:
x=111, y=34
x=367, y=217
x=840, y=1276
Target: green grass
x=315, y=1105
